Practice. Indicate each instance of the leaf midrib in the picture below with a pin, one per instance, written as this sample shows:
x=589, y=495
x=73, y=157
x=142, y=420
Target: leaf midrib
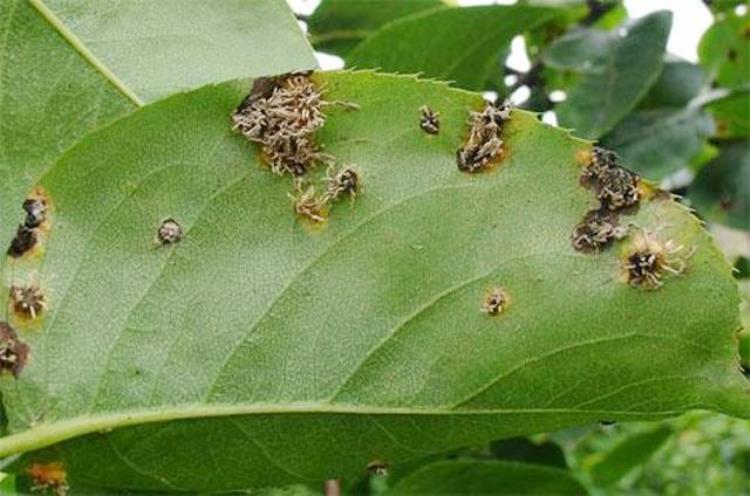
x=45, y=435
x=79, y=46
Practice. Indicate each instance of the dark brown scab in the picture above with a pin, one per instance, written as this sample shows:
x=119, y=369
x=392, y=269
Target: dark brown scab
x=598, y=230
x=25, y=239
x=13, y=353
x=429, y=120
x=170, y=232
x=28, y=301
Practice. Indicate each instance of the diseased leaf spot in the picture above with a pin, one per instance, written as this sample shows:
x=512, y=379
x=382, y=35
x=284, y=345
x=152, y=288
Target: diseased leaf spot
x=598, y=230
x=484, y=144
x=306, y=203
x=170, y=232
x=281, y=114
x=649, y=261
x=24, y=240
x=616, y=187
x=28, y=301
x=378, y=468
x=343, y=182
x=49, y=477
x=35, y=212
x=430, y=120
x=13, y=353
x=495, y=301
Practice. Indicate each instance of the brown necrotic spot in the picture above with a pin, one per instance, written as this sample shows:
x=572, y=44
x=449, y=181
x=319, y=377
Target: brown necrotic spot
x=28, y=301
x=484, y=144
x=649, y=260
x=24, y=240
x=169, y=232
x=598, y=230
x=13, y=353
x=429, y=120
x=495, y=301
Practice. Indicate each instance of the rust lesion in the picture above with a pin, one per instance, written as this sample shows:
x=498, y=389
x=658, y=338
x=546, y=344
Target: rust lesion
x=49, y=477
x=14, y=354
x=484, y=147
x=648, y=259
x=496, y=301
x=36, y=224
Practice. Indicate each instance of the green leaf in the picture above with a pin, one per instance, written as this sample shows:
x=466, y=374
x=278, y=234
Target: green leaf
x=721, y=191
x=658, y=142
x=489, y=478
x=68, y=68
x=678, y=83
x=337, y=26
x=260, y=351
x=521, y=449
x=724, y=51
x=613, y=70
x=453, y=44
x=732, y=115
x=634, y=451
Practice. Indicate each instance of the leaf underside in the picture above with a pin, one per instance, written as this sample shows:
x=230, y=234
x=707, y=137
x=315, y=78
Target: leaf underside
x=271, y=351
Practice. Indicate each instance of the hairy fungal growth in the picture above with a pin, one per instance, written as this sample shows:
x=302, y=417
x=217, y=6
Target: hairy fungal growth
x=170, y=232
x=306, y=203
x=617, y=189
x=49, y=477
x=343, y=182
x=495, y=301
x=484, y=143
x=650, y=260
x=598, y=229
x=430, y=120
x=282, y=114
x=13, y=353
x=28, y=301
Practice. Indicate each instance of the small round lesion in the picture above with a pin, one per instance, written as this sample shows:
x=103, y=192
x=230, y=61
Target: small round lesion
x=28, y=300
x=496, y=301
x=169, y=232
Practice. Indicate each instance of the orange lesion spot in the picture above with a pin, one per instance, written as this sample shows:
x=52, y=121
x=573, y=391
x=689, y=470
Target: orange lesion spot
x=584, y=157
x=49, y=476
